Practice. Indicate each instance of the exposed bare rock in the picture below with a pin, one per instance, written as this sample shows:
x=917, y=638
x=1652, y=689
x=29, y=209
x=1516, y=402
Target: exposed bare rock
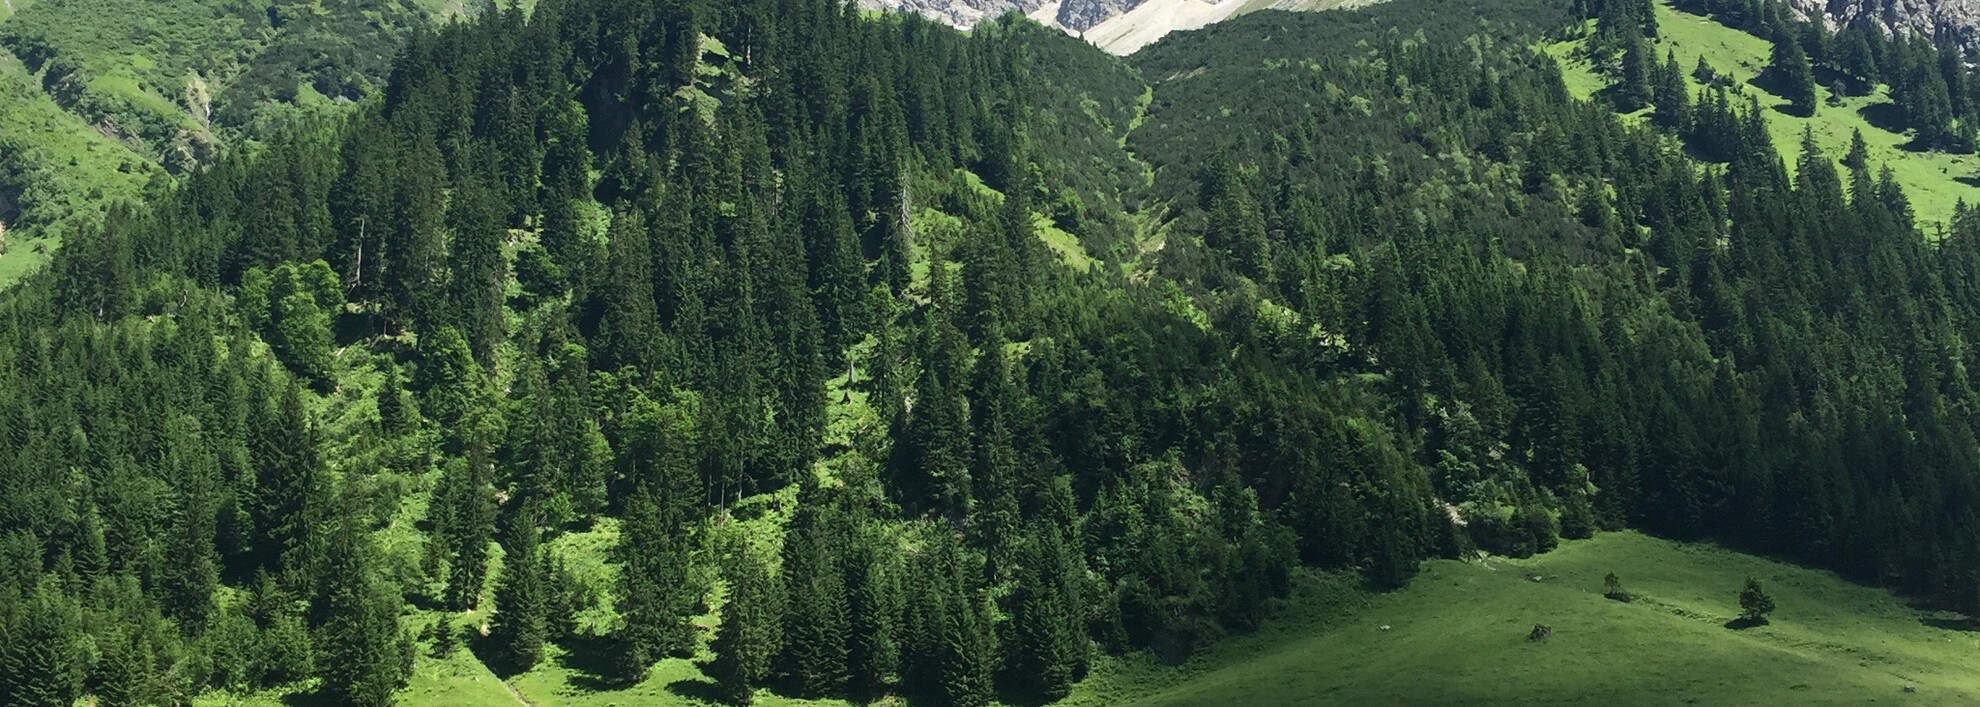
x=1081, y=15
x=961, y=13
x=1943, y=20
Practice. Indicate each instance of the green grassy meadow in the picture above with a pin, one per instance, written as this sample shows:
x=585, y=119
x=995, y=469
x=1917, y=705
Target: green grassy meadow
x=65, y=169
x=1456, y=635
x=1931, y=179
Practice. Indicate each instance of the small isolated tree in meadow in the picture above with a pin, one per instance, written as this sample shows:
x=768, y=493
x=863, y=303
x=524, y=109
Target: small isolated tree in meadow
x=1613, y=588
x=1754, y=604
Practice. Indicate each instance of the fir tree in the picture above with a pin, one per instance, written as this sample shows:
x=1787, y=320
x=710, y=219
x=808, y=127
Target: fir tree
x=465, y=508
x=627, y=336
x=522, y=598
x=361, y=662
x=1754, y=603
x=477, y=271
x=815, y=620
x=654, y=596
x=1792, y=75
x=123, y=674
x=874, y=606
x=969, y=653
x=40, y=663
x=1670, y=94
x=290, y=492
x=1049, y=637
x=750, y=635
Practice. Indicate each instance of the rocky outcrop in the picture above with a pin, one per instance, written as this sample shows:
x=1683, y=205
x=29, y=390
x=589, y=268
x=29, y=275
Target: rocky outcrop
x=1118, y=26
x=1943, y=20
x=1082, y=15
x=961, y=13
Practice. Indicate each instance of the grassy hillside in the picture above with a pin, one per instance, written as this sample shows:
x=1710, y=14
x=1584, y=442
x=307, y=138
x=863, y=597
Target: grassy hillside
x=1935, y=181
x=95, y=98
x=55, y=172
x=1459, y=634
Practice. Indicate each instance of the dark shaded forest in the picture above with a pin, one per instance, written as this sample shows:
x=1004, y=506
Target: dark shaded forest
x=1371, y=288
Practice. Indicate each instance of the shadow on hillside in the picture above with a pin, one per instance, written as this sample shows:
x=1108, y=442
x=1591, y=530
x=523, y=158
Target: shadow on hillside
x=307, y=699
x=1883, y=116
x=704, y=691
x=485, y=650
x=591, y=658
x=427, y=602
x=1742, y=623
x=1961, y=623
x=1968, y=180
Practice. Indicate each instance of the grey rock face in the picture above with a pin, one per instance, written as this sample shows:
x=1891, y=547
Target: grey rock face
x=1943, y=20
x=961, y=13
x=1075, y=15
x=1081, y=15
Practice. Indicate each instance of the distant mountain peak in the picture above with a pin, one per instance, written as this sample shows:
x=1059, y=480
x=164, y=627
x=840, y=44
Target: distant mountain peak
x=1118, y=26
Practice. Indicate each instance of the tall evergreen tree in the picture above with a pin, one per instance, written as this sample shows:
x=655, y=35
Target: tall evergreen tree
x=656, y=594
x=522, y=597
x=363, y=661
x=465, y=506
x=815, y=617
x=629, y=335
x=1048, y=645
x=874, y=606
x=1793, y=76
x=750, y=635
x=40, y=661
x=969, y=656
x=290, y=493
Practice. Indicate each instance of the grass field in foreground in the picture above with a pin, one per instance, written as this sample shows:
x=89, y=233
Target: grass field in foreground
x=1935, y=181
x=1457, y=635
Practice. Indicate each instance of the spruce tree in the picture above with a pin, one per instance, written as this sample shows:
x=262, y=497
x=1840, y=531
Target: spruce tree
x=751, y=632
x=1049, y=639
x=1670, y=94
x=874, y=606
x=654, y=595
x=191, y=569
x=449, y=381
x=290, y=491
x=123, y=672
x=477, y=271
x=522, y=598
x=361, y=662
x=1754, y=603
x=465, y=523
x=40, y=663
x=1792, y=75
x=815, y=621
x=1633, y=90
x=628, y=334
x=969, y=653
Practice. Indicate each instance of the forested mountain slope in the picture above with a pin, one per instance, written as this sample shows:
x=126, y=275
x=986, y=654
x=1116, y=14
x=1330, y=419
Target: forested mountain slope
x=695, y=350
x=98, y=96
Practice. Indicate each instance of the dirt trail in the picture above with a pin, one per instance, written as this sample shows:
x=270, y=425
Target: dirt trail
x=513, y=692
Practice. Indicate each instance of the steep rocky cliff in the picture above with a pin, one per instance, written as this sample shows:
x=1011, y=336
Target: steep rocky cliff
x=1943, y=20
x=961, y=13
x=1081, y=15
x=1074, y=15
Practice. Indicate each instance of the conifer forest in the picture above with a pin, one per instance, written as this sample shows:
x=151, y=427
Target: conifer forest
x=819, y=353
